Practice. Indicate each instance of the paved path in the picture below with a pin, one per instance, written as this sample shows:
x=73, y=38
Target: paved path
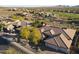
x=25, y=50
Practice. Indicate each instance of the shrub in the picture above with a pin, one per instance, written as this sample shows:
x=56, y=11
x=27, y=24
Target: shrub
x=35, y=36
x=17, y=18
x=37, y=23
x=24, y=32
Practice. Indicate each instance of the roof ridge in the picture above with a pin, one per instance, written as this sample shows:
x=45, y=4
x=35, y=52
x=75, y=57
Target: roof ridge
x=56, y=42
x=66, y=35
x=63, y=41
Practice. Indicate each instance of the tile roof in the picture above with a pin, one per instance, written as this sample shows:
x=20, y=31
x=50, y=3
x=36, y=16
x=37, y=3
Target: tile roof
x=70, y=32
x=60, y=37
x=51, y=41
x=66, y=41
x=56, y=41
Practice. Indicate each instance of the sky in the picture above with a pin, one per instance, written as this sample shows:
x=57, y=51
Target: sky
x=33, y=3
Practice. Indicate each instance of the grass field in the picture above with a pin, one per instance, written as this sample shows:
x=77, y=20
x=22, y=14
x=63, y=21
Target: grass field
x=67, y=16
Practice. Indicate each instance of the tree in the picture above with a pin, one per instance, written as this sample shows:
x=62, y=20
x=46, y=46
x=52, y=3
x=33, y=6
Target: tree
x=37, y=23
x=35, y=36
x=1, y=27
x=24, y=33
x=32, y=34
x=15, y=17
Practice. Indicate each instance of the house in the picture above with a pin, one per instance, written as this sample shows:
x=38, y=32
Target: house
x=58, y=39
x=12, y=9
x=28, y=16
x=19, y=23
x=49, y=14
x=8, y=26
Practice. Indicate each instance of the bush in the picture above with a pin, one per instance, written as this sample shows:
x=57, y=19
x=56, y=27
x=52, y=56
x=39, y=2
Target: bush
x=1, y=27
x=35, y=36
x=10, y=51
x=24, y=33
x=37, y=23
x=17, y=18
x=31, y=33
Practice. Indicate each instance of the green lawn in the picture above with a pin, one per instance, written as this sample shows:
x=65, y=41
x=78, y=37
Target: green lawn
x=67, y=16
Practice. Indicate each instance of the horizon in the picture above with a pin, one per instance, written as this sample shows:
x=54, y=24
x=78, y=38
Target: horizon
x=34, y=5
x=37, y=3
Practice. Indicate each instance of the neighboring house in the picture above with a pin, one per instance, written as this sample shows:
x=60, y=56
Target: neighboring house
x=10, y=27
x=28, y=16
x=12, y=9
x=22, y=23
x=58, y=39
x=49, y=14
x=17, y=23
